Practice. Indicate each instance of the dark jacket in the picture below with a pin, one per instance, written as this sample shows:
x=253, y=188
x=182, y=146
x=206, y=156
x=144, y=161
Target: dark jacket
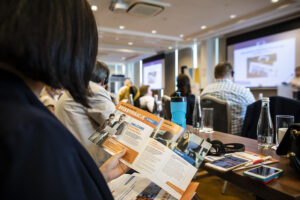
x=40, y=158
x=278, y=106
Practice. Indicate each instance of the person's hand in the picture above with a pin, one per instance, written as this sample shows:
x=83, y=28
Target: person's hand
x=113, y=167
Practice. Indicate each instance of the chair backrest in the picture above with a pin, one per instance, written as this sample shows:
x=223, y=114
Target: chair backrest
x=166, y=104
x=278, y=106
x=221, y=115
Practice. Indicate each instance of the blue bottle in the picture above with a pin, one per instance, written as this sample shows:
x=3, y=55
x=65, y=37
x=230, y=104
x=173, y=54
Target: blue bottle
x=178, y=109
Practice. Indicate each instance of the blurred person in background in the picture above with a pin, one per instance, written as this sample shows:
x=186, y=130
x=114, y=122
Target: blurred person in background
x=146, y=99
x=237, y=96
x=83, y=121
x=184, y=87
x=123, y=92
x=296, y=80
x=54, y=43
x=49, y=97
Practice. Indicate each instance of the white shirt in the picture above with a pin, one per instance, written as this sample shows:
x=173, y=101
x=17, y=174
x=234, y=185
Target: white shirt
x=82, y=121
x=238, y=98
x=147, y=102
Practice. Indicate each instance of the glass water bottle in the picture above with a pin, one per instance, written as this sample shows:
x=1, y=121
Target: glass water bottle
x=265, y=126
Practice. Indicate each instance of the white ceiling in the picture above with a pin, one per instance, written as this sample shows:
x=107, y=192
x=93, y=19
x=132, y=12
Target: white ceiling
x=181, y=17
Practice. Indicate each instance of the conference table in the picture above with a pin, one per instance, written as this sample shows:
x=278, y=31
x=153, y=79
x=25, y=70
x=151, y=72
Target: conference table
x=286, y=187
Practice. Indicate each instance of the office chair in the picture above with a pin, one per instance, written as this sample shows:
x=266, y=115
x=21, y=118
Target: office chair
x=278, y=106
x=221, y=115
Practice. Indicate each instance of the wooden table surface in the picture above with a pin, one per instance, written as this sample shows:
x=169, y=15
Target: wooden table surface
x=286, y=187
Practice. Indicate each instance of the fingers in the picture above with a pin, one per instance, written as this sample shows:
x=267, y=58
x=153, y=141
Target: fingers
x=124, y=167
x=121, y=154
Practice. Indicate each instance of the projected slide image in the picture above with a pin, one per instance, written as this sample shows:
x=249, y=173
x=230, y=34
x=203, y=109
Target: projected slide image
x=151, y=77
x=264, y=63
x=261, y=66
x=153, y=74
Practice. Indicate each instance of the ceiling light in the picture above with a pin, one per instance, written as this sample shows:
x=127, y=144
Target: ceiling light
x=94, y=8
x=203, y=27
x=121, y=27
x=181, y=35
x=170, y=47
x=274, y=1
x=123, y=58
x=232, y=16
x=153, y=31
x=130, y=43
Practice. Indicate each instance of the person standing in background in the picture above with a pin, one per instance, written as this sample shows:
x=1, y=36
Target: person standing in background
x=82, y=121
x=124, y=91
x=238, y=97
x=184, y=87
x=296, y=80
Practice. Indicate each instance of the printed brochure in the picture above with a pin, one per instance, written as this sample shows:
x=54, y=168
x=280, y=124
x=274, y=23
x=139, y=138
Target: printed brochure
x=158, y=149
x=136, y=187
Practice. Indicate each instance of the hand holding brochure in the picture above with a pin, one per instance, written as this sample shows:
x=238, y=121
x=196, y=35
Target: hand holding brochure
x=159, y=149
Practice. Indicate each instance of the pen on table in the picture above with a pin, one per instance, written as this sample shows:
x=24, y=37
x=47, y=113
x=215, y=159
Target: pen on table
x=261, y=160
x=252, y=166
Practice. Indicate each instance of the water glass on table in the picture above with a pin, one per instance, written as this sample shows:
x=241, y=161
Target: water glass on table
x=282, y=124
x=207, y=120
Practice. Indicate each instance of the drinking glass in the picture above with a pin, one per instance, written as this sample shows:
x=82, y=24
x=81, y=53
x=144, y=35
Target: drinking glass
x=282, y=124
x=207, y=120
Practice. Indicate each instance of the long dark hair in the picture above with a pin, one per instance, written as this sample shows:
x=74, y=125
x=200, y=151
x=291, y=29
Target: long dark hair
x=183, y=84
x=54, y=42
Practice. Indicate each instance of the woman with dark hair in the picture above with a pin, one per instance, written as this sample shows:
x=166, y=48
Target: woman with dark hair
x=54, y=43
x=184, y=87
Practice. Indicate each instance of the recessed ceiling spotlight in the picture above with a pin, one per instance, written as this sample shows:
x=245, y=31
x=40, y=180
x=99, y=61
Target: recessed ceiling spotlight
x=153, y=31
x=181, y=35
x=170, y=47
x=121, y=27
x=130, y=43
x=94, y=8
x=232, y=16
x=203, y=27
x=274, y=1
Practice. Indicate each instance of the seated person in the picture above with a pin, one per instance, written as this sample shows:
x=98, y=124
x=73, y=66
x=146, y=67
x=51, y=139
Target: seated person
x=238, y=97
x=82, y=121
x=135, y=95
x=184, y=86
x=123, y=92
x=49, y=97
x=53, y=43
x=146, y=98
